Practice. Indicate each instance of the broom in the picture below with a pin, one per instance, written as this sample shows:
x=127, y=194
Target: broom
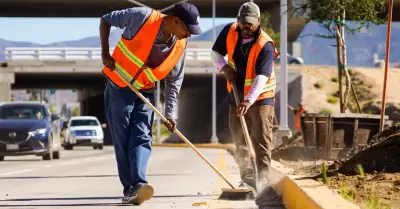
x=231, y=193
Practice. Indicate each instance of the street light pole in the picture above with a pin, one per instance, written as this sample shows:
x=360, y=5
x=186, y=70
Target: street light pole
x=214, y=138
x=284, y=73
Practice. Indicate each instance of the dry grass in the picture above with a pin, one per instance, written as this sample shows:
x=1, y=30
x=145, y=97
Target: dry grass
x=370, y=79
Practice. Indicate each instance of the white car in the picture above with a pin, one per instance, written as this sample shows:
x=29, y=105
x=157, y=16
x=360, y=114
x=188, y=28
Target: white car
x=83, y=131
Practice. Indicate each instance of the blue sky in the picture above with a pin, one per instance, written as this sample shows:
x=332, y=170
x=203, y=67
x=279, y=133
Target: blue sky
x=49, y=30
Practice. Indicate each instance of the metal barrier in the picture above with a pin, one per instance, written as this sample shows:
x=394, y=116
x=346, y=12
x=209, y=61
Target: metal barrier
x=330, y=136
x=76, y=53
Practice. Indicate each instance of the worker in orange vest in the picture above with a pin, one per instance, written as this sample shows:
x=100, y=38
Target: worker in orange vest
x=297, y=113
x=251, y=53
x=152, y=47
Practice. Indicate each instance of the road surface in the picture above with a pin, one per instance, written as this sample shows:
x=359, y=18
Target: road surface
x=87, y=178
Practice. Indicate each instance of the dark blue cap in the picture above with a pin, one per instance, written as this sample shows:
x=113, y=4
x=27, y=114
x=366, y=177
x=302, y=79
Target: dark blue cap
x=189, y=14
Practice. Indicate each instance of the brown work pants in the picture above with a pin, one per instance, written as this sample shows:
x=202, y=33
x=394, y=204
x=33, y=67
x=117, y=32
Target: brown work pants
x=259, y=120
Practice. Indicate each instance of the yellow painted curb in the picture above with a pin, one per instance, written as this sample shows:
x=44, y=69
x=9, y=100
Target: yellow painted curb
x=302, y=193
x=230, y=147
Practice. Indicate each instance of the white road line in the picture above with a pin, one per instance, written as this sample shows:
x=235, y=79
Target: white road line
x=16, y=172
x=71, y=162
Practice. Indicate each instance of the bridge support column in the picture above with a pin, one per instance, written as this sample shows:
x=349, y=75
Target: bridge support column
x=84, y=98
x=194, y=113
x=6, y=80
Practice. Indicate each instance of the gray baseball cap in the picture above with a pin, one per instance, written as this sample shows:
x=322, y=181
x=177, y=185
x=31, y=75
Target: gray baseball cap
x=249, y=12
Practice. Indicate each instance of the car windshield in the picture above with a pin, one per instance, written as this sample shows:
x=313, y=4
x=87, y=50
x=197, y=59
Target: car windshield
x=84, y=122
x=21, y=112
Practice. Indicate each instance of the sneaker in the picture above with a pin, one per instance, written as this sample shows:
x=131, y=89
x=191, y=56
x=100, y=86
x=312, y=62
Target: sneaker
x=125, y=200
x=143, y=193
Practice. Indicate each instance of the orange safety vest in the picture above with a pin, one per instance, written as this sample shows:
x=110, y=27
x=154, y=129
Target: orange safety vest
x=270, y=86
x=131, y=57
x=297, y=125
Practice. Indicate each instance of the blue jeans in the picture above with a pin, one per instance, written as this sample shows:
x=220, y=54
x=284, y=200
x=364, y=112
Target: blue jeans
x=130, y=121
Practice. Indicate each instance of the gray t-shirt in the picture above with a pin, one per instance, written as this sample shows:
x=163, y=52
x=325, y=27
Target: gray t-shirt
x=131, y=20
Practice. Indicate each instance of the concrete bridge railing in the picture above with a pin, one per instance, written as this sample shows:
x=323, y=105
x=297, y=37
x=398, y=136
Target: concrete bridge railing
x=81, y=53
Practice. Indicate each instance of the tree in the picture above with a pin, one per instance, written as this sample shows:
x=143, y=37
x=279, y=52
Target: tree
x=52, y=109
x=37, y=95
x=76, y=111
x=331, y=14
x=266, y=27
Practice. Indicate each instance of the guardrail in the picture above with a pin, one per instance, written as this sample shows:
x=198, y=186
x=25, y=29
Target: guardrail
x=76, y=53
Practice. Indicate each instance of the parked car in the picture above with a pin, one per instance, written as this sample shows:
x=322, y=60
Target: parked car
x=83, y=131
x=291, y=60
x=29, y=128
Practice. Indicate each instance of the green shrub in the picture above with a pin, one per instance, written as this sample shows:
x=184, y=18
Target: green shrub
x=325, y=111
x=318, y=85
x=332, y=100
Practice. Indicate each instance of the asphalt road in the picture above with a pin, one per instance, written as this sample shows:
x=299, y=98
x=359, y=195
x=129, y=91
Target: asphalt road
x=87, y=178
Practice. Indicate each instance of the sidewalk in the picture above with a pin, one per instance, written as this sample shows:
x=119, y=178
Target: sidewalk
x=267, y=199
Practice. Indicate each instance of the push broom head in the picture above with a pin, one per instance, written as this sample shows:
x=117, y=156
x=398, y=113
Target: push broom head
x=238, y=194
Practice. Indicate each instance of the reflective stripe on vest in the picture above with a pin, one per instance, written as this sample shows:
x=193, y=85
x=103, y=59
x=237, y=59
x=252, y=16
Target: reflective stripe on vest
x=297, y=122
x=232, y=38
x=131, y=57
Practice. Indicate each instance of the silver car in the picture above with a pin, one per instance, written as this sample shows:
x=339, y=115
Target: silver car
x=292, y=60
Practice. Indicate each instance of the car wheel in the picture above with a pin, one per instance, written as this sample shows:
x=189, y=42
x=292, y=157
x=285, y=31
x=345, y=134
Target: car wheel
x=100, y=146
x=68, y=147
x=94, y=146
x=56, y=155
x=295, y=62
x=48, y=156
x=1, y=158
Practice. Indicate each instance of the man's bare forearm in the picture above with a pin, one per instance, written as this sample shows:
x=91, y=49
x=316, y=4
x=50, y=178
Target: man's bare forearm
x=104, y=36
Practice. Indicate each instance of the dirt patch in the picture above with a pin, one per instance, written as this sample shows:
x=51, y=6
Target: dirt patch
x=372, y=191
x=370, y=174
x=375, y=186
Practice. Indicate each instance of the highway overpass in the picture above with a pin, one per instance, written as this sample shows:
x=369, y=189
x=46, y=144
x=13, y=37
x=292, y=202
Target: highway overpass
x=80, y=68
x=96, y=8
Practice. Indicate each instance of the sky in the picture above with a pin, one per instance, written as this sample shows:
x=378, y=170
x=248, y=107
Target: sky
x=50, y=30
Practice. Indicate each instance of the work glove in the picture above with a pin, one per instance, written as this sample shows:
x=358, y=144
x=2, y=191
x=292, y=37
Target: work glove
x=108, y=61
x=229, y=73
x=171, y=124
x=243, y=108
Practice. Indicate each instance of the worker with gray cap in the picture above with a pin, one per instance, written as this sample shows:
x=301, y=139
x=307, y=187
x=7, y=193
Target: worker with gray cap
x=251, y=53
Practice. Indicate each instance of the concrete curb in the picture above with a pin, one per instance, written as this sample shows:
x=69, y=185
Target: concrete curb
x=229, y=147
x=296, y=191
x=300, y=193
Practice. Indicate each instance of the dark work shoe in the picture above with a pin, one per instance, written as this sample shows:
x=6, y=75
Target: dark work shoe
x=246, y=185
x=143, y=193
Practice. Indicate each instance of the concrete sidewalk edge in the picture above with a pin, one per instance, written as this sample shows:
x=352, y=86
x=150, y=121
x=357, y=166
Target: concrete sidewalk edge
x=296, y=192
x=299, y=192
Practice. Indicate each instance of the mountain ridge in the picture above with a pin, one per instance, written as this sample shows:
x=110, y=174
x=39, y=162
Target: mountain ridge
x=315, y=50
